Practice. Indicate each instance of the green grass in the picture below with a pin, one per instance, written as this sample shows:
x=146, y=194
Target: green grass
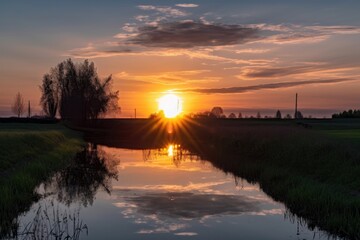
x=316, y=173
x=29, y=154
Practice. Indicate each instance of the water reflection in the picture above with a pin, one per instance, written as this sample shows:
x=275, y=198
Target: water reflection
x=168, y=192
x=81, y=180
x=90, y=171
x=51, y=221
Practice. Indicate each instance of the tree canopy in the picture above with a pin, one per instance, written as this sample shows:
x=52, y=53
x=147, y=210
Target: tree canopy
x=76, y=92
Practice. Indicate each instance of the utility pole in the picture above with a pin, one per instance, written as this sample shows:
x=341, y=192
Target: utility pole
x=296, y=102
x=29, y=110
x=135, y=112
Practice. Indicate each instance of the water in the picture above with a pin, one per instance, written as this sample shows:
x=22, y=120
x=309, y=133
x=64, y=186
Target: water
x=168, y=193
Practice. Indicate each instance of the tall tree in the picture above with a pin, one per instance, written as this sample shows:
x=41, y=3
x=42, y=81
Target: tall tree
x=278, y=114
x=258, y=115
x=78, y=92
x=49, y=98
x=18, y=106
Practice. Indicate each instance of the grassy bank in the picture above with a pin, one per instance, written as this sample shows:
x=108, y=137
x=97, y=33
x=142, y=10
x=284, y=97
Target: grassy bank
x=315, y=173
x=29, y=154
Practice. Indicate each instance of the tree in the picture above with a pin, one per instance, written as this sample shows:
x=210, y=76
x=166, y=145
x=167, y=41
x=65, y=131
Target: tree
x=232, y=115
x=240, y=115
x=258, y=115
x=347, y=114
x=278, y=114
x=18, y=107
x=288, y=116
x=76, y=92
x=299, y=115
x=49, y=98
x=217, y=112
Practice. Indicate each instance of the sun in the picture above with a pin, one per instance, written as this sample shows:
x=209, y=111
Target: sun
x=170, y=104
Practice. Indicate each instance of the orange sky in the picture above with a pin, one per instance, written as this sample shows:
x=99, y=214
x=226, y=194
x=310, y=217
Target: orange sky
x=210, y=55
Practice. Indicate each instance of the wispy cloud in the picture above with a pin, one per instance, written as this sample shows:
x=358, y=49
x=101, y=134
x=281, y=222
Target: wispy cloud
x=266, y=86
x=169, y=11
x=319, y=70
x=171, y=78
x=253, y=50
x=187, y=5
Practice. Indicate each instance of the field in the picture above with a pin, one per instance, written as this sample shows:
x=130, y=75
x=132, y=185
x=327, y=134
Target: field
x=30, y=153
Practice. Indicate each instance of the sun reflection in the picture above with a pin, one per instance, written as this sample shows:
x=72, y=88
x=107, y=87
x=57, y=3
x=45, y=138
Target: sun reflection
x=170, y=150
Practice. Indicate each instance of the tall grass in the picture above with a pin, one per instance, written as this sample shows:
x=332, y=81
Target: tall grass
x=315, y=175
x=29, y=154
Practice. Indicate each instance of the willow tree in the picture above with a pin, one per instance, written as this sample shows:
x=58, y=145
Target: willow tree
x=76, y=91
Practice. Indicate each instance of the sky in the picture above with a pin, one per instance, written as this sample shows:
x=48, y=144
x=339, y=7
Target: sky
x=246, y=56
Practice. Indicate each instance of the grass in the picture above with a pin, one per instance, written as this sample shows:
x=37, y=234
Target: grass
x=314, y=172
x=29, y=154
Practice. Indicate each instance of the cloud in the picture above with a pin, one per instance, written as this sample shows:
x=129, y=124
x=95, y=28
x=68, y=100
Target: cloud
x=190, y=205
x=253, y=50
x=174, y=77
x=298, y=34
x=187, y=5
x=168, y=11
x=320, y=69
x=266, y=86
x=192, y=34
x=271, y=72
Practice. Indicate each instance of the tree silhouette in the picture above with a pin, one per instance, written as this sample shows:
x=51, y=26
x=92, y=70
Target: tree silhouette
x=76, y=91
x=278, y=114
x=18, y=106
x=217, y=112
x=299, y=115
x=240, y=115
x=49, y=98
x=258, y=115
x=232, y=115
x=347, y=114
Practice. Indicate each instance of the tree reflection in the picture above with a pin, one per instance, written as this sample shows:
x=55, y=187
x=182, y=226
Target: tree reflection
x=81, y=180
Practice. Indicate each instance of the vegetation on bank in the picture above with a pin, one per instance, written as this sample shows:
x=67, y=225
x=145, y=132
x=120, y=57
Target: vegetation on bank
x=347, y=114
x=29, y=154
x=315, y=173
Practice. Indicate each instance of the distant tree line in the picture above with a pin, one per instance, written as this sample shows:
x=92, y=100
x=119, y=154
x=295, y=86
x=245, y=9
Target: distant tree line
x=218, y=112
x=347, y=114
x=75, y=92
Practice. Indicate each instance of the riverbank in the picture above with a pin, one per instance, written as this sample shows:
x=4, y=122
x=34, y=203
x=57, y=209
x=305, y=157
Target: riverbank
x=29, y=154
x=314, y=172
